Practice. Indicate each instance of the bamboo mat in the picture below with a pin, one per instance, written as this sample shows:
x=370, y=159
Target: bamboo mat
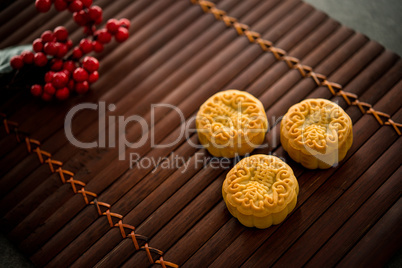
x=66, y=206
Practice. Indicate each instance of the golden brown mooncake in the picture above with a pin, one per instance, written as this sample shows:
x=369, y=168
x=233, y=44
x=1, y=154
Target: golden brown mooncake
x=260, y=190
x=316, y=133
x=231, y=123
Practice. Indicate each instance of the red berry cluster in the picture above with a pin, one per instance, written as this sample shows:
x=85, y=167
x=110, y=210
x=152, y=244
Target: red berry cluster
x=65, y=74
x=60, y=5
x=66, y=77
x=68, y=71
x=54, y=44
x=119, y=30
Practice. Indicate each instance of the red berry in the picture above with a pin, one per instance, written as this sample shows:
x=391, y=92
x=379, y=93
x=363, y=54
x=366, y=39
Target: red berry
x=46, y=96
x=43, y=5
x=90, y=64
x=69, y=66
x=50, y=48
x=89, y=29
x=69, y=44
x=37, y=45
x=40, y=59
x=80, y=75
x=86, y=46
x=60, y=79
x=86, y=3
x=93, y=77
x=75, y=6
x=71, y=85
x=63, y=93
x=79, y=18
x=17, y=62
x=81, y=88
x=97, y=46
x=77, y=53
x=27, y=56
x=36, y=90
x=95, y=12
x=61, y=33
x=47, y=36
x=112, y=26
x=60, y=5
x=121, y=35
x=99, y=20
x=49, y=89
x=49, y=76
x=63, y=49
x=125, y=23
x=56, y=64
x=103, y=36
x=67, y=72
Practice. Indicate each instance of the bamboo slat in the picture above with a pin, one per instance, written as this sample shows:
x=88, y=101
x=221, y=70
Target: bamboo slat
x=181, y=53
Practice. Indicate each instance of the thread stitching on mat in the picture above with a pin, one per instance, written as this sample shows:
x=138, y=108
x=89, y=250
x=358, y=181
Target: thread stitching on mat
x=33, y=145
x=294, y=63
x=67, y=177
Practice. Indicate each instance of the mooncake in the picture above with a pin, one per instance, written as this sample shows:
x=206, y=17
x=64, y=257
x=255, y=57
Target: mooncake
x=260, y=190
x=316, y=133
x=231, y=123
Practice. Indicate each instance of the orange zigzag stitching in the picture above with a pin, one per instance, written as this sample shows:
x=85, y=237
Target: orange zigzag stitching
x=66, y=176
x=294, y=63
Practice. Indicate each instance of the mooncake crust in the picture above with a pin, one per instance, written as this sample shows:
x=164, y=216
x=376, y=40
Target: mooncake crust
x=231, y=123
x=260, y=190
x=316, y=133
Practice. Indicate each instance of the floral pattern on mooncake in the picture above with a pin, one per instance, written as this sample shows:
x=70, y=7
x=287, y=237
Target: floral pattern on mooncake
x=316, y=133
x=231, y=123
x=260, y=190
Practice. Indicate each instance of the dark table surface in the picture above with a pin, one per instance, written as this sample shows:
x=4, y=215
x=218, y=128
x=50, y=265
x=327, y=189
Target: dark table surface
x=379, y=20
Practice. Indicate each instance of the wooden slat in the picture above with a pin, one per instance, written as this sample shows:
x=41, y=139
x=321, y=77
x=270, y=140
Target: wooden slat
x=74, y=229
x=171, y=48
x=344, y=240
x=324, y=198
x=55, y=143
x=18, y=20
x=9, y=12
x=60, y=120
x=384, y=239
x=132, y=261
x=343, y=208
x=248, y=239
x=176, y=54
x=57, y=122
x=32, y=107
x=264, y=104
x=218, y=246
x=207, y=70
x=112, y=10
x=55, y=201
x=233, y=229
